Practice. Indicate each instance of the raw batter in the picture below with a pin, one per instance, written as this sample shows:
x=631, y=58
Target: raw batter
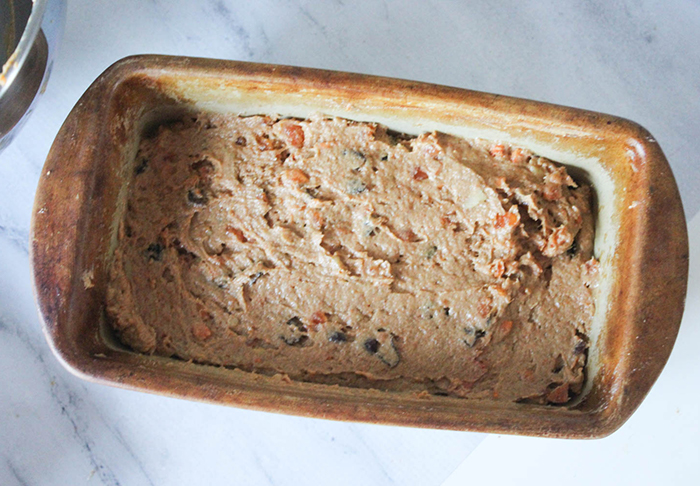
x=339, y=252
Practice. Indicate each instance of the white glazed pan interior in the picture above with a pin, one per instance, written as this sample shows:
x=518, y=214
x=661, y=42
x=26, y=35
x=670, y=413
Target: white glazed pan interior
x=196, y=96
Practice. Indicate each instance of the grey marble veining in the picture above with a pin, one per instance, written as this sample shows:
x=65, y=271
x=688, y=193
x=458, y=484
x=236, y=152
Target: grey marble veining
x=635, y=59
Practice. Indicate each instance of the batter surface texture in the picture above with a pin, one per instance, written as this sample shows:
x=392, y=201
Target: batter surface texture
x=340, y=252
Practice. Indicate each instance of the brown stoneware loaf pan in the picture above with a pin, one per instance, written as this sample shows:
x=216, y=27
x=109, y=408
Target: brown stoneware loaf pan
x=641, y=240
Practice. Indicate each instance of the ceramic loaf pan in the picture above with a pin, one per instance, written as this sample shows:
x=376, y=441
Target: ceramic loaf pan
x=641, y=238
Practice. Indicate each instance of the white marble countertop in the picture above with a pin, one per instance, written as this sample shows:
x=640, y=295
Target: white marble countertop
x=639, y=60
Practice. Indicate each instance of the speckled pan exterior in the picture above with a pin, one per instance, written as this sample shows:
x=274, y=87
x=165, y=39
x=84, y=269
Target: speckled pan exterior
x=641, y=236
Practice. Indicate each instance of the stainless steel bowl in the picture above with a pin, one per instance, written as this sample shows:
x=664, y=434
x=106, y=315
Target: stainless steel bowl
x=29, y=36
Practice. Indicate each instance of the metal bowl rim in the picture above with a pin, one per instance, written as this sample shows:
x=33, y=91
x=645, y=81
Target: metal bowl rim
x=18, y=57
